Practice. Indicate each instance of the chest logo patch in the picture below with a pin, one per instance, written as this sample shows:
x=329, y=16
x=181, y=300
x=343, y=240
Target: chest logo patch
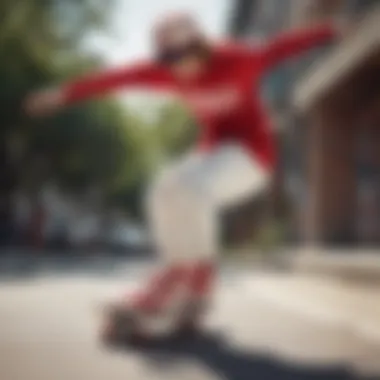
x=214, y=102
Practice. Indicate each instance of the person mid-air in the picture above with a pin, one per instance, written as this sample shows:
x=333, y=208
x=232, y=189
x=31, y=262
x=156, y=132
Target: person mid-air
x=234, y=159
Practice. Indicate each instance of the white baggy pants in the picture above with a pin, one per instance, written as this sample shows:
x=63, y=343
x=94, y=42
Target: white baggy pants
x=184, y=202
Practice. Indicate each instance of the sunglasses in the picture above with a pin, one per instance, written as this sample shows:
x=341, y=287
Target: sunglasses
x=174, y=55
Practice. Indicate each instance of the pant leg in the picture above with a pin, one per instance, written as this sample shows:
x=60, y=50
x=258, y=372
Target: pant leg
x=183, y=206
x=185, y=202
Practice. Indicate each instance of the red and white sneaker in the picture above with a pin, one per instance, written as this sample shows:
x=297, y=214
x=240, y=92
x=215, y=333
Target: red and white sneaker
x=120, y=323
x=175, y=302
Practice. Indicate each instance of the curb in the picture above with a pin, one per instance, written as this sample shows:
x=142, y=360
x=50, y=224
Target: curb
x=353, y=265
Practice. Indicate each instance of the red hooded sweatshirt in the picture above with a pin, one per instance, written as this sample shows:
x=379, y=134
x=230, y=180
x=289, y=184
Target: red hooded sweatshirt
x=225, y=98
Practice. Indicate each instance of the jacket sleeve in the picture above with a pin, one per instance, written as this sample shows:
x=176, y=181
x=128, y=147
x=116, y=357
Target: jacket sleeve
x=140, y=75
x=291, y=44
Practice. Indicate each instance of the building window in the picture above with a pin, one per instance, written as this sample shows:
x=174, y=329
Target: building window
x=270, y=17
x=359, y=6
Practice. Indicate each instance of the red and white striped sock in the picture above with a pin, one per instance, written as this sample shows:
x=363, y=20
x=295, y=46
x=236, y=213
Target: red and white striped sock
x=195, y=280
x=160, y=289
x=202, y=280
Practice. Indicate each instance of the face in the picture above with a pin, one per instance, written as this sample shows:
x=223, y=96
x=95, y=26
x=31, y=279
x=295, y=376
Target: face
x=180, y=46
x=188, y=67
x=186, y=63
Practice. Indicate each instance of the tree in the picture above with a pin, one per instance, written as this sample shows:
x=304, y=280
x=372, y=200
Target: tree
x=98, y=144
x=151, y=145
x=37, y=47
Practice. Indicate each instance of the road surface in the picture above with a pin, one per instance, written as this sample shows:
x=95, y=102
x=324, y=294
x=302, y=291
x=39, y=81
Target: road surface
x=48, y=331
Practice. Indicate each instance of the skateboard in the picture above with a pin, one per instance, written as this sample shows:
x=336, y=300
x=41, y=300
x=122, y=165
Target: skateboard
x=121, y=325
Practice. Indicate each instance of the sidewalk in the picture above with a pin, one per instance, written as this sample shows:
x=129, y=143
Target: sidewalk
x=356, y=264
x=347, y=309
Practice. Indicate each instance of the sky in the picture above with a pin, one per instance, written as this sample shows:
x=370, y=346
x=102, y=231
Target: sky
x=128, y=37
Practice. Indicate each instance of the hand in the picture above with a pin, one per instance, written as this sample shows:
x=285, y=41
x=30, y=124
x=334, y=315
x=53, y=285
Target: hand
x=44, y=102
x=344, y=26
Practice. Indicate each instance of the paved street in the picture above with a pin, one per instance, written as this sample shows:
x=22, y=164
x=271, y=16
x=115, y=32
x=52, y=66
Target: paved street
x=48, y=330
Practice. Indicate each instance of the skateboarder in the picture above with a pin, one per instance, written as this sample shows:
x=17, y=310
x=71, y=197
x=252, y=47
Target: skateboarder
x=235, y=157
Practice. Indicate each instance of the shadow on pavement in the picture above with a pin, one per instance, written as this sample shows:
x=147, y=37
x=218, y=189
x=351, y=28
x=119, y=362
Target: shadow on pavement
x=232, y=364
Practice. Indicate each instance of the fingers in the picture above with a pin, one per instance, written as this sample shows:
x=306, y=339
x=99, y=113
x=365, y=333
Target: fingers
x=43, y=103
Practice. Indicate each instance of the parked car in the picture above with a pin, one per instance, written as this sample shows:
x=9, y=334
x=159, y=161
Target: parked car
x=127, y=238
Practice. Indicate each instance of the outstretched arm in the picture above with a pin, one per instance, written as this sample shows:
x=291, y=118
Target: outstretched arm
x=141, y=75
x=290, y=44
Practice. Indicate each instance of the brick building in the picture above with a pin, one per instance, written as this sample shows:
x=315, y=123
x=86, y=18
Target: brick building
x=331, y=160
x=341, y=101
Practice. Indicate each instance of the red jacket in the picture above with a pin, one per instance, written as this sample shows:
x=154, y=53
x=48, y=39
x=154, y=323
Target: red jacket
x=225, y=97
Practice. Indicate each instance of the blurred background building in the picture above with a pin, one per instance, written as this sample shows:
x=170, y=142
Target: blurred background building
x=66, y=180
x=330, y=165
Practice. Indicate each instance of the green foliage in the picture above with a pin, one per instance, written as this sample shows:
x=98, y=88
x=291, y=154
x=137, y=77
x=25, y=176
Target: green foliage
x=169, y=135
x=175, y=130
x=101, y=144
x=38, y=47
x=151, y=145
